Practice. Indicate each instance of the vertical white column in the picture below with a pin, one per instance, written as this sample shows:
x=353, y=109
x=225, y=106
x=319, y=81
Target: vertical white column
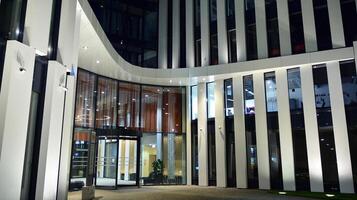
x=49, y=157
x=127, y=160
x=240, y=30
x=284, y=27
x=311, y=129
x=308, y=20
x=261, y=131
x=70, y=60
x=163, y=19
x=37, y=24
x=285, y=133
x=190, y=35
x=340, y=131
x=188, y=136
x=239, y=132
x=336, y=25
x=222, y=32
x=261, y=27
x=202, y=136
x=205, y=33
x=220, y=134
x=15, y=101
x=175, y=34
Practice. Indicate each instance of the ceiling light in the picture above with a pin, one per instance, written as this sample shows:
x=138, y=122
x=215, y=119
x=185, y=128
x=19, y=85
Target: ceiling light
x=170, y=81
x=85, y=47
x=98, y=62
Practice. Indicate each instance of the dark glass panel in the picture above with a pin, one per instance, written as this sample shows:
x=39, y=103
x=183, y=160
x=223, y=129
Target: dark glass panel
x=182, y=34
x=129, y=106
x=197, y=27
x=232, y=46
x=211, y=141
x=106, y=103
x=322, y=23
x=324, y=119
x=86, y=92
x=250, y=27
x=214, y=50
x=230, y=139
x=296, y=27
x=302, y=180
x=198, y=61
x=213, y=32
x=349, y=86
x=250, y=132
x=349, y=17
x=230, y=14
x=272, y=28
x=276, y=180
x=194, y=135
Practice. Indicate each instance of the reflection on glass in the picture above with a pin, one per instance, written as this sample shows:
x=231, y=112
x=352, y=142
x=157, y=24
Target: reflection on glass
x=151, y=105
x=106, y=162
x=106, y=103
x=172, y=110
x=230, y=142
x=211, y=135
x=324, y=119
x=194, y=103
x=194, y=134
x=302, y=179
x=276, y=180
x=349, y=86
x=84, y=115
x=210, y=100
x=129, y=106
x=127, y=153
x=249, y=118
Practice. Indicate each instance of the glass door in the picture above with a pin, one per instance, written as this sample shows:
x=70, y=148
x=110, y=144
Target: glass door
x=127, y=162
x=106, y=162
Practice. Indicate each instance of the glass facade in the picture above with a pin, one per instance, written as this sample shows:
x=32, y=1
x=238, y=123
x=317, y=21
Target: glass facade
x=194, y=134
x=211, y=134
x=302, y=180
x=322, y=23
x=232, y=41
x=276, y=179
x=129, y=119
x=213, y=32
x=250, y=132
x=197, y=32
x=326, y=134
x=349, y=17
x=272, y=28
x=251, y=31
x=349, y=87
x=296, y=27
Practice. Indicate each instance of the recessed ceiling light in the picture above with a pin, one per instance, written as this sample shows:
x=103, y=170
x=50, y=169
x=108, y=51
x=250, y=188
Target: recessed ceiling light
x=85, y=47
x=98, y=62
x=170, y=81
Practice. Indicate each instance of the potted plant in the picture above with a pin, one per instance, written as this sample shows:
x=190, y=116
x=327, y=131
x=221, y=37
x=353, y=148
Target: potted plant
x=158, y=167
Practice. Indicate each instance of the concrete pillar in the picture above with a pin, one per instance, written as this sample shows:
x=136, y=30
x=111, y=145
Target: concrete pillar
x=285, y=132
x=240, y=30
x=202, y=136
x=175, y=34
x=220, y=129
x=261, y=27
x=239, y=132
x=49, y=157
x=308, y=20
x=163, y=19
x=284, y=27
x=15, y=101
x=37, y=25
x=340, y=131
x=336, y=24
x=261, y=131
x=205, y=33
x=190, y=35
x=222, y=32
x=311, y=129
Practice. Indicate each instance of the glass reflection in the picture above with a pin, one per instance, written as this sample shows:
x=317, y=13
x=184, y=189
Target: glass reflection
x=194, y=135
x=129, y=106
x=211, y=134
x=106, y=103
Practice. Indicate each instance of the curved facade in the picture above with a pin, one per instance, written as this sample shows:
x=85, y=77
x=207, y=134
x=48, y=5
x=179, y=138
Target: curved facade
x=261, y=94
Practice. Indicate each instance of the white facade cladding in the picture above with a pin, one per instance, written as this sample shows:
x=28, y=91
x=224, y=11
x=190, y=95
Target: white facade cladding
x=292, y=128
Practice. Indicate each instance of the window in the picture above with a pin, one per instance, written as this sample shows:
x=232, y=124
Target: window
x=249, y=118
x=106, y=103
x=211, y=134
x=324, y=120
x=296, y=27
x=302, y=180
x=272, y=28
x=322, y=23
x=232, y=46
x=197, y=27
x=129, y=106
x=276, y=180
x=194, y=135
x=210, y=100
x=349, y=17
x=213, y=32
x=151, y=105
x=250, y=27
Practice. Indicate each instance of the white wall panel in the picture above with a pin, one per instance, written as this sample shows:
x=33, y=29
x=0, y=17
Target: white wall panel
x=284, y=27
x=340, y=131
x=261, y=27
x=285, y=133
x=49, y=158
x=261, y=131
x=205, y=33
x=336, y=26
x=222, y=32
x=308, y=21
x=220, y=130
x=240, y=30
x=37, y=24
x=190, y=34
x=163, y=19
x=311, y=129
x=15, y=100
x=202, y=136
x=175, y=34
x=239, y=132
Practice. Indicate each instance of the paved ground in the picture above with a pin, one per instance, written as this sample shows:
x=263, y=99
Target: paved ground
x=184, y=193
